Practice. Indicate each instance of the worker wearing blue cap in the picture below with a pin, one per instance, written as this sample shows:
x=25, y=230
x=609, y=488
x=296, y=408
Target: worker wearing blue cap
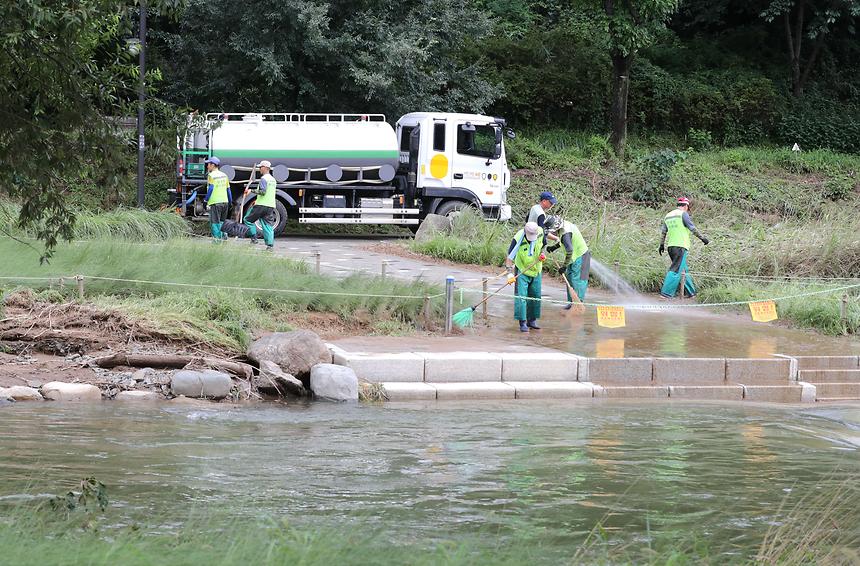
x=538, y=212
x=218, y=197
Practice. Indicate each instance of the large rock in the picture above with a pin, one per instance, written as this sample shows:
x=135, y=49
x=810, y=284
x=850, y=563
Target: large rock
x=207, y=383
x=295, y=352
x=334, y=383
x=61, y=391
x=20, y=393
x=433, y=225
x=274, y=381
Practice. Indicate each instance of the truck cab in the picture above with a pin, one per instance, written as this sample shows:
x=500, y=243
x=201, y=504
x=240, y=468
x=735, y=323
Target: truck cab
x=456, y=160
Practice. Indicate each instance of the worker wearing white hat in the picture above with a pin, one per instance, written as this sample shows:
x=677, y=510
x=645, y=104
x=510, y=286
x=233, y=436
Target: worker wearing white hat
x=526, y=254
x=263, y=209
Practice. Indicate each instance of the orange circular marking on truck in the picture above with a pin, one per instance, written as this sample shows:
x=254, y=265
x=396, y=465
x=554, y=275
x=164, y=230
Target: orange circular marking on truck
x=439, y=166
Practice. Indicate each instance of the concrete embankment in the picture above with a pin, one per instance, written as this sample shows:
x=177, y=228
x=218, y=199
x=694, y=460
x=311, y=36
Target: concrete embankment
x=453, y=374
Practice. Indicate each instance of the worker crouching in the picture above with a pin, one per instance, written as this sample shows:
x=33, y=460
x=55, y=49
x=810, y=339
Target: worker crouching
x=577, y=257
x=263, y=209
x=525, y=254
x=676, y=230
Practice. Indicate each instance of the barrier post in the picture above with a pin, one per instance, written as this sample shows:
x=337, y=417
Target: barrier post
x=80, y=281
x=384, y=266
x=843, y=313
x=616, y=265
x=449, y=303
x=485, y=287
x=317, y=257
x=62, y=284
x=426, y=312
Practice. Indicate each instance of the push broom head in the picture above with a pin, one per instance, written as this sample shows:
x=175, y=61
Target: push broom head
x=464, y=318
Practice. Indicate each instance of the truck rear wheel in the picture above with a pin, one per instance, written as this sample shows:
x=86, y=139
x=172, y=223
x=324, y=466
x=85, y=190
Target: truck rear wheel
x=280, y=217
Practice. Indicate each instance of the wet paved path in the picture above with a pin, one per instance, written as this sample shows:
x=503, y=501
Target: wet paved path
x=679, y=333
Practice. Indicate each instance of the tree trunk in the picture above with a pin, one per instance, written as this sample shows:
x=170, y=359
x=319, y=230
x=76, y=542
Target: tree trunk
x=618, y=113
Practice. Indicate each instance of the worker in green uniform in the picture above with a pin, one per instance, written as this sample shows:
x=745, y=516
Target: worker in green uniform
x=577, y=257
x=676, y=230
x=218, y=197
x=525, y=254
x=538, y=212
x=263, y=208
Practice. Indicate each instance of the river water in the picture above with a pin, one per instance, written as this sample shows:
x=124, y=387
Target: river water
x=446, y=471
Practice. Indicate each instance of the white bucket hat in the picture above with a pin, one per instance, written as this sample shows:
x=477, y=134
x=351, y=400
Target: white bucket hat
x=265, y=163
x=531, y=231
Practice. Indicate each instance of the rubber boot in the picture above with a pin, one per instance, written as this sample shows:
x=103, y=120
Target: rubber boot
x=568, y=306
x=523, y=326
x=533, y=324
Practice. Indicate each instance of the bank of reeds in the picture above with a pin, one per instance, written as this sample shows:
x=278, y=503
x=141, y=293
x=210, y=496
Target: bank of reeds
x=211, y=307
x=130, y=224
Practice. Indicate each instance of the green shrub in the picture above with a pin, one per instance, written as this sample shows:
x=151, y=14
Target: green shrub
x=700, y=140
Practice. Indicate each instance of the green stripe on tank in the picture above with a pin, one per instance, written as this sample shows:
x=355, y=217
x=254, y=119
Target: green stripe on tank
x=309, y=153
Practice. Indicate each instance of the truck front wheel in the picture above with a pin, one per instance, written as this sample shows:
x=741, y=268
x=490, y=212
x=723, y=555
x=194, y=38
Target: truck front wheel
x=450, y=207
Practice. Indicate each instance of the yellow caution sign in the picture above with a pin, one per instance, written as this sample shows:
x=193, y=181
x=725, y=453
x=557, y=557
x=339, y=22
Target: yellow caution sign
x=763, y=311
x=611, y=317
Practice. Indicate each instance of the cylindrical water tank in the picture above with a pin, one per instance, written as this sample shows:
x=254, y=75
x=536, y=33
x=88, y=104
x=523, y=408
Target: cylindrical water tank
x=328, y=146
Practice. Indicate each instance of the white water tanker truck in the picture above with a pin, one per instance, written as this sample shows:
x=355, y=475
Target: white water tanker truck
x=352, y=168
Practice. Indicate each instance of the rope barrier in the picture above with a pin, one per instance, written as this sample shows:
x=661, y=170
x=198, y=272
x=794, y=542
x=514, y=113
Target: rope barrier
x=655, y=307
x=259, y=289
x=753, y=277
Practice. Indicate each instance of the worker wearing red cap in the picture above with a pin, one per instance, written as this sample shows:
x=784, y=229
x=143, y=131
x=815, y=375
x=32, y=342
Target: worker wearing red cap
x=676, y=230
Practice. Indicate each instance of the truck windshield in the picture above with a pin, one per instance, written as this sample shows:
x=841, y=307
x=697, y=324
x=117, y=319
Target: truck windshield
x=479, y=141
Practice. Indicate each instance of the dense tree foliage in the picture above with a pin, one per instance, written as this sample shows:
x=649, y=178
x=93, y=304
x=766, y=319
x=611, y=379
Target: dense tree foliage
x=711, y=71
x=337, y=56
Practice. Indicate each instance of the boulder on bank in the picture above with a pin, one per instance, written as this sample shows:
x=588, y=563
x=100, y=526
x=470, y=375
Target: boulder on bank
x=334, y=383
x=274, y=381
x=61, y=391
x=295, y=352
x=433, y=225
x=20, y=393
x=207, y=383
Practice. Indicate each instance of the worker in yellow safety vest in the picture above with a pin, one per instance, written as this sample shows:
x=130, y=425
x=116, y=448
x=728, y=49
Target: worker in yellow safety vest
x=676, y=229
x=577, y=257
x=525, y=255
x=218, y=197
x=263, y=209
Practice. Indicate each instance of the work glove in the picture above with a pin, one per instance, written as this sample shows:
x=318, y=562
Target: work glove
x=542, y=257
x=661, y=249
x=705, y=241
x=551, y=249
x=562, y=270
x=511, y=278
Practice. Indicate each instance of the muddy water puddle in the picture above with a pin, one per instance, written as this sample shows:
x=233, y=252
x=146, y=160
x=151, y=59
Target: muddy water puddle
x=671, y=334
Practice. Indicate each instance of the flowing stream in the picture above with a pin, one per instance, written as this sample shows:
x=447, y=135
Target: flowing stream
x=421, y=474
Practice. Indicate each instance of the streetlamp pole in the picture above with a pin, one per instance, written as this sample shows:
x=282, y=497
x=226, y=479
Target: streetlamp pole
x=141, y=100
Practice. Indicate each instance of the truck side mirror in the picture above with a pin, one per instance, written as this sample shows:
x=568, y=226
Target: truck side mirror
x=497, y=148
x=414, y=140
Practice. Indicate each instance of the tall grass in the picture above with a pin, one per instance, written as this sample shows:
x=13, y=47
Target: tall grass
x=130, y=224
x=820, y=526
x=217, y=314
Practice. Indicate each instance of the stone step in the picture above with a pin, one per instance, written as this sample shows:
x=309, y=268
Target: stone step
x=841, y=390
x=830, y=375
x=836, y=399
x=827, y=362
x=453, y=391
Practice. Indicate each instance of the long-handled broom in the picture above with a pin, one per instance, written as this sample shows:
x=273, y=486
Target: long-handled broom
x=247, y=186
x=570, y=290
x=466, y=316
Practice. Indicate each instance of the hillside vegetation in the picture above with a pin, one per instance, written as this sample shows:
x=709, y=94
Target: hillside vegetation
x=780, y=222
